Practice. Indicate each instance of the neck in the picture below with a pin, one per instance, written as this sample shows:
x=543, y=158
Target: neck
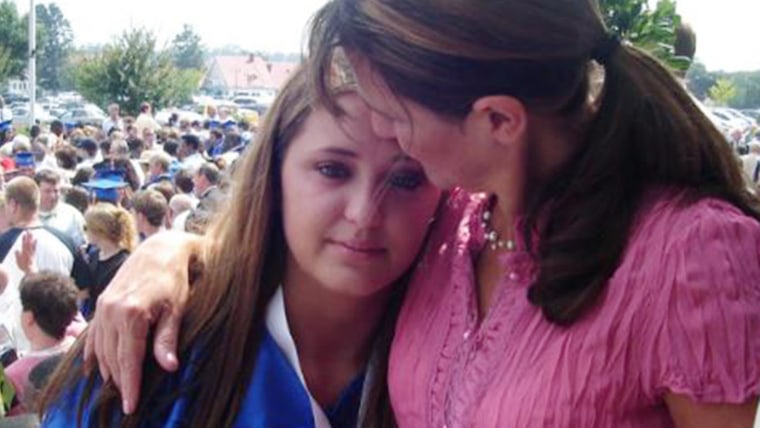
x=43, y=341
x=333, y=333
x=149, y=230
x=108, y=249
x=508, y=192
x=344, y=333
x=27, y=221
x=48, y=209
x=547, y=147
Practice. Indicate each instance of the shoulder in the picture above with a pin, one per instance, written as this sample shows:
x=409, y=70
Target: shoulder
x=675, y=217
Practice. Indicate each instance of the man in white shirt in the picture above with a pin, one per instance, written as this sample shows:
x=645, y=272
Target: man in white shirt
x=113, y=120
x=149, y=208
x=189, y=152
x=22, y=204
x=56, y=213
x=145, y=120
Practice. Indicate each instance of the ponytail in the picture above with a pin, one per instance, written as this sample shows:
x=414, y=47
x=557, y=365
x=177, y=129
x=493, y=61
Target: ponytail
x=127, y=236
x=647, y=130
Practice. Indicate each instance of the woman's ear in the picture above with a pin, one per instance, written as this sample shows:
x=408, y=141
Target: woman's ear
x=502, y=116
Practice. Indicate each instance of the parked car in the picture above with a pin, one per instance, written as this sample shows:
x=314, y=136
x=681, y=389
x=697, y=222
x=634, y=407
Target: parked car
x=753, y=113
x=87, y=114
x=734, y=118
x=21, y=116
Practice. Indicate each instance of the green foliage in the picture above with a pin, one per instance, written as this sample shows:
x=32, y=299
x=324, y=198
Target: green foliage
x=653, y=30
x=13, y=42
x=187, y=51
x=699, y=80
x=747, y=89
x=6, y=393
x=54, y=46
x=746, y=84
x=132, y=70
x=722, y=92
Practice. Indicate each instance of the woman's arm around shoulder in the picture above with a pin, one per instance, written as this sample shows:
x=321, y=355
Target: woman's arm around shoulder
x=150, y=290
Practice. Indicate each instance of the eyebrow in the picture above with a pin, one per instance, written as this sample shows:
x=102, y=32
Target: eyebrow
x=340, y=151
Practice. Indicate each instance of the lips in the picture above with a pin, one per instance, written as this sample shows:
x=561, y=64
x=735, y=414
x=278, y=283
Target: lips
x=361, y=247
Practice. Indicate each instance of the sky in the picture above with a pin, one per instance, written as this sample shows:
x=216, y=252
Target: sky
x=727, y=30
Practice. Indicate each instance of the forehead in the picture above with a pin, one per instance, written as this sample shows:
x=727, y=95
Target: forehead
x=372, y=88
x=351, y=131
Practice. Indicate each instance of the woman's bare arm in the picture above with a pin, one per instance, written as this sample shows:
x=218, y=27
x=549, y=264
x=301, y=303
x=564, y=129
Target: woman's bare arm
x=688, y=414
x=149, y=290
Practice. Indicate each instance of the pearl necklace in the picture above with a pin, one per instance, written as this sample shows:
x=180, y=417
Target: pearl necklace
x=492, y=236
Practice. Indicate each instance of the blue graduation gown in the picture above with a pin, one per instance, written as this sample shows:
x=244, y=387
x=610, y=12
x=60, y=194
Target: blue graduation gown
x=276, y=396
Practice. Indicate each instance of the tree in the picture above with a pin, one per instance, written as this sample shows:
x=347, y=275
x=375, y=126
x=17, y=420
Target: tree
x=747, y=89
x=13, y=42
x=723, y=91
x=54, y=46
x=187, y=51
x=653, y=30
x=132, y=70
x=699, y=80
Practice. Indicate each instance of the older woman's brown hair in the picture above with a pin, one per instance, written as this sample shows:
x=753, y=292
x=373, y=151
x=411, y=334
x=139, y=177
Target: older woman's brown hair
x=642, y=130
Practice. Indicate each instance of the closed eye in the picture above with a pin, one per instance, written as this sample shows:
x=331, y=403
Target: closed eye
x=407, y=180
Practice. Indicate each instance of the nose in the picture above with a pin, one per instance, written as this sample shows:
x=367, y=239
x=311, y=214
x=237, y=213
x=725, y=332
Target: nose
x=382, y=126
x=364, y=208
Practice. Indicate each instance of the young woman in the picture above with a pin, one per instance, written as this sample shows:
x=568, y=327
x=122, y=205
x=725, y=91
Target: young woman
x=606, y=271
x=289, y=323
x=112, y=235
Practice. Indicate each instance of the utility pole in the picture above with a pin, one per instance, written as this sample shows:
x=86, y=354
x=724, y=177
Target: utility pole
x=32, y=61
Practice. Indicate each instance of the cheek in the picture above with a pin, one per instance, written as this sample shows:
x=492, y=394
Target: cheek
x=409, y=221
x=308, y=210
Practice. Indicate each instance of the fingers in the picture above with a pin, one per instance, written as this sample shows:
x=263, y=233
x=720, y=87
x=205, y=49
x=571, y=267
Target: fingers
x=151, y=286
x=98, y=327
x=89, y=350
x=165, y=343
x=28, y=244
x=25, y=255
x=129, y=358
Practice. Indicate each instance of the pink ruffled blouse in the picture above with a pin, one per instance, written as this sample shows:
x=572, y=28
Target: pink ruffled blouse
x=680, y=314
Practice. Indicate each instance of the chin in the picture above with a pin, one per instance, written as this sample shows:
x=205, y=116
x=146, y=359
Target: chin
x=360, y=287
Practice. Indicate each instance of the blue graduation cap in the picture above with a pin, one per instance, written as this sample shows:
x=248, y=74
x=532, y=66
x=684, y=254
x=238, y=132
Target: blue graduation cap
x=105, y=184
x=6, y=125
x=229, y=123
x=110, y=174
x=213, y=124
x=105, y=190
x=24, y=160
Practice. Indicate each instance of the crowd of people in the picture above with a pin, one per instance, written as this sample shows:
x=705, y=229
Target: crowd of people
x=457, y=215
x=83, y=198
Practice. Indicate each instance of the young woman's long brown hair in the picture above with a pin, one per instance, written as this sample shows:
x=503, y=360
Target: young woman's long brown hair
x=643, y=130
x=242, y=268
